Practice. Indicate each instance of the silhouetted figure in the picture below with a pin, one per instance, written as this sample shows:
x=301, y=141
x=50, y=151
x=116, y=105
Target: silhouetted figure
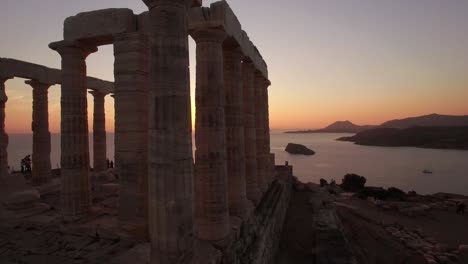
x=27, y=163
x=111, y=164
x=461, y=208
x=107, y=163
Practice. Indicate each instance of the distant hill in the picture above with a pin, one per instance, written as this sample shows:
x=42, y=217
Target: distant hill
x=428, y=120
x=418, y=136
x=337, y=127
x=434, y=120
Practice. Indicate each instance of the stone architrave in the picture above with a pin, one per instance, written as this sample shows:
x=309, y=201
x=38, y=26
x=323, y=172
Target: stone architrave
x=99, y=132
x=41, y=171
x=235, y=148
x=75, y=193
x=252, y=187
x=131, y=71
x=170, y=174
x=211, y=186
x=3, y=136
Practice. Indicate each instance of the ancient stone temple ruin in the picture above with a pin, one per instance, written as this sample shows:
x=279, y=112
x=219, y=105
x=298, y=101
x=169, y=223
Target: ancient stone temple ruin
x=225, y=203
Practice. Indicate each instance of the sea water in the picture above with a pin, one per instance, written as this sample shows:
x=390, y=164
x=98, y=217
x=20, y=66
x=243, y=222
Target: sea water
x=400, y=167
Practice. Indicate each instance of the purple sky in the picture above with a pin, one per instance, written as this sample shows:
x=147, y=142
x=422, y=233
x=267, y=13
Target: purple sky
x=363, y=60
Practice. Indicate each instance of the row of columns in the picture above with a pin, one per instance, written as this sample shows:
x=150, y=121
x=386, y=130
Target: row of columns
x=41, y=173
x=231, y=131
x=153, y=132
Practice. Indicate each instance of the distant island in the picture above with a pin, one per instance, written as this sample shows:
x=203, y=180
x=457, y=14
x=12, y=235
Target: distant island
x=337, y=127
x=432, y=120
x=454, y=137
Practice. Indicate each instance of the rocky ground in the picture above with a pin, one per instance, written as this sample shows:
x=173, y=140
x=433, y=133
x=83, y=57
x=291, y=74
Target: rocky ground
x=312, y=231
x=325, y=225
x=33, y=231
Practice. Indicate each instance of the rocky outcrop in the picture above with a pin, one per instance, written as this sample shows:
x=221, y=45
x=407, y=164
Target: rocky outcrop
x=421, y=137
x=298, y=149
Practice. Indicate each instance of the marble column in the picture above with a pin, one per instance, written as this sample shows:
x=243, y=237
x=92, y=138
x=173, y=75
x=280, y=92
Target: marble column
x=211, y=186
x=99, y=132
x=252, y=187
x=3, y=136
x=266, y=110
x=235, y=148
x=262, y=156
x=75, y=193
x=131, y=71
x=170, y=175
x=41, y=173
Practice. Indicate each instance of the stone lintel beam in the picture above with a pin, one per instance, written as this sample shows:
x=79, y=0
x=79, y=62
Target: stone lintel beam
x=211, y=187
x=98, y=27
x=41, y=173
x=220, y=15
x=43, y=74
x=75, y=194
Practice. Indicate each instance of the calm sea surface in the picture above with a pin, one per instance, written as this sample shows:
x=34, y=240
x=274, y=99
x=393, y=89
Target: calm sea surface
x=382, y=166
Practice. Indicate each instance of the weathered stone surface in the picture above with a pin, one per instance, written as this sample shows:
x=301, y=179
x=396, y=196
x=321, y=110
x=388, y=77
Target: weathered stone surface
x=170, y=175
x=211, y=188
x=41, y=173
x=22, y=69
x=262, y=150
x=235, y=143
x=259, y=236
x=220, y=15
x=22, y=200
x=75, y=195
x=99, y=132
x=100, y=25
x=131, y=70
x=298, y=149
x=3, y=139
x=252, y=187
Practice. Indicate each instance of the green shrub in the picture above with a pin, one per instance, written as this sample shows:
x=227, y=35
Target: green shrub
x=323, y=182
x=353, y=182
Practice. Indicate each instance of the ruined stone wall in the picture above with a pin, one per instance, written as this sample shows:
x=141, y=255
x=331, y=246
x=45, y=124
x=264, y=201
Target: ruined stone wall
x=257, y=240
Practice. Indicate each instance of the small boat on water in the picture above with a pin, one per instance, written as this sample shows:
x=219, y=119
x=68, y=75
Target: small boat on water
x=427, y=171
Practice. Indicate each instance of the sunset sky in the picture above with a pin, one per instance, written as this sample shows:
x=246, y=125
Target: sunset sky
x=366, y=61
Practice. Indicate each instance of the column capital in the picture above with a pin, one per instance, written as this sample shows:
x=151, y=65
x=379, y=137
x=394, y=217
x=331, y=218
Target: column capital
x=37, y=84
x=73, y=48
x=97, y=93
x=209, y=35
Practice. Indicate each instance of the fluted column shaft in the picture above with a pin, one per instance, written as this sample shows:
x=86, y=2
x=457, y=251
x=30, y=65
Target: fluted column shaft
x=99, y=132
x=211, y=189
x=263, y=157
x=266, y=110
x=41, y=173
x=131, y=70
x=75, y=194
x=170, y=175
x=252, y=187
x=235, y=144
x=3, y=134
